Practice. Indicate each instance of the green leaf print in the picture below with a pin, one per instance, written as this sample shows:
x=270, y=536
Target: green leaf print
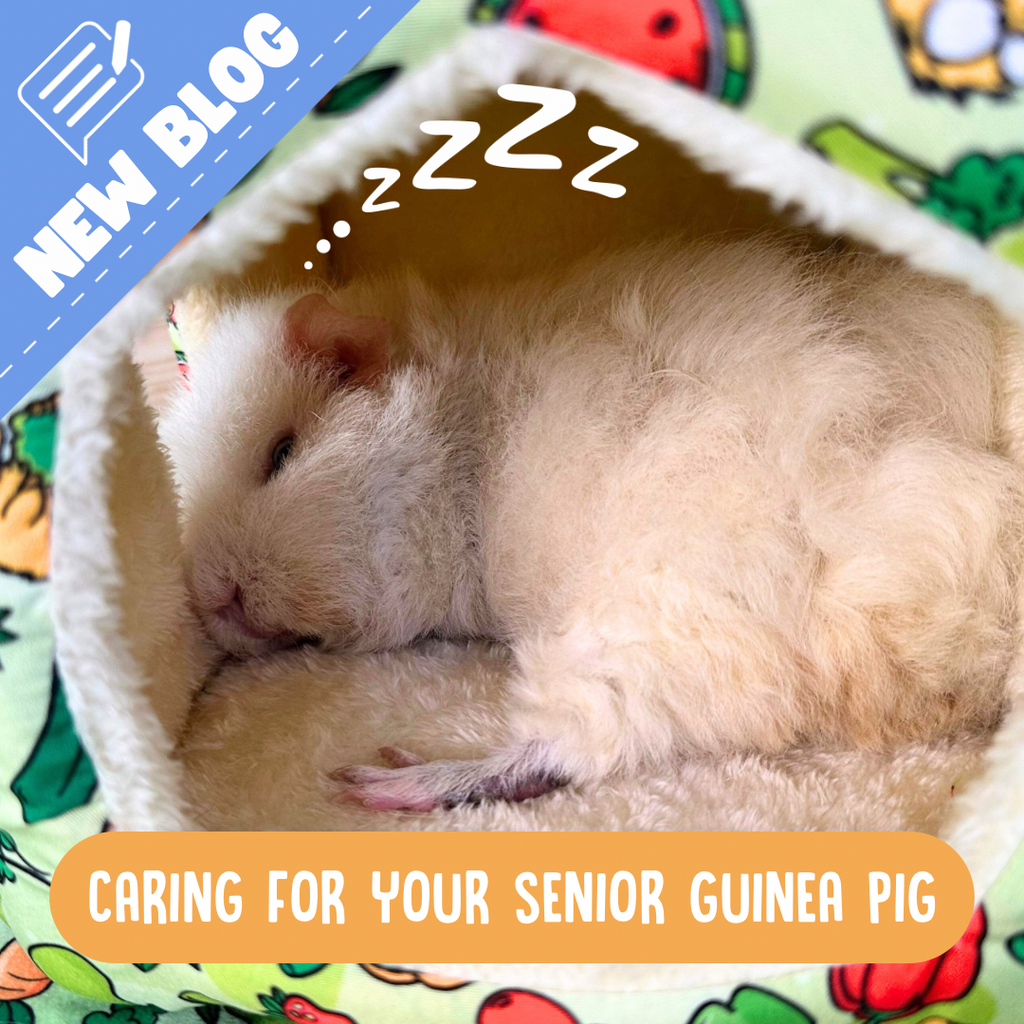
x=847, y=146
x=979, y=194
x=1016, y=946
x=750, y=1005
x=58, y=775
x=127, y=1013
x=6, y=636
x=209, y=1007
x=274, y=1003
x=34, y=436
x=249, y=1018
x=12, y=859
x=197, y=997
x=356, y=91
x=72, y=971
x=16, y=1011
x=301, y=970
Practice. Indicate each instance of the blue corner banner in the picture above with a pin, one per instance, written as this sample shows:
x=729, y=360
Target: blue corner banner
x=125, y=123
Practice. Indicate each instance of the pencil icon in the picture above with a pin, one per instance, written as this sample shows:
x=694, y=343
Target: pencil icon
x=119, y=57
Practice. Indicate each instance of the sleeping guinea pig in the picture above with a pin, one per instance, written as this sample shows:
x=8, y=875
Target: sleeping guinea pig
x=731, y=497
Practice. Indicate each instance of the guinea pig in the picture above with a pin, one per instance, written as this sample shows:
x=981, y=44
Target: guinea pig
x=734, y=496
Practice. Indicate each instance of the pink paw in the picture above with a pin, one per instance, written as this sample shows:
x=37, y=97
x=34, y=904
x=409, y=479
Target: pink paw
x=384, y=789
x=409, y=783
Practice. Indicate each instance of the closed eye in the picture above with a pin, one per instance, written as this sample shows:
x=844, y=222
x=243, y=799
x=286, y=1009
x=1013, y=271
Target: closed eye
x=280, y=453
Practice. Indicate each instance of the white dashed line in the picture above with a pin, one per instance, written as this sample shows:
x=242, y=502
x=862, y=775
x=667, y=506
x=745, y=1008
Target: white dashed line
x=360, y=16
x=1, y=374
x=344, y=32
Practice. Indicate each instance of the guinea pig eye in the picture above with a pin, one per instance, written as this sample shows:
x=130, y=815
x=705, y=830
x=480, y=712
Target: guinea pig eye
x=279, y=456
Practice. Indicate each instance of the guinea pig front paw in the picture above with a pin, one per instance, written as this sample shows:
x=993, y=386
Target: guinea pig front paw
x=411, y=784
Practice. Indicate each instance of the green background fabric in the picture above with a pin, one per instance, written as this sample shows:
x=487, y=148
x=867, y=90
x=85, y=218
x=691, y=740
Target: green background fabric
x=847, y=79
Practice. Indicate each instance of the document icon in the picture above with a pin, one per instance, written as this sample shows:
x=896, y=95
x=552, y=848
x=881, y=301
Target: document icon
x=78, y=87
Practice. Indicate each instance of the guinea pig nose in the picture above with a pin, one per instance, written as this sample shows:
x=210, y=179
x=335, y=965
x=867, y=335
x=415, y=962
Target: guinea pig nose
x=232, y=609
x=215, y=595
x=233, y=614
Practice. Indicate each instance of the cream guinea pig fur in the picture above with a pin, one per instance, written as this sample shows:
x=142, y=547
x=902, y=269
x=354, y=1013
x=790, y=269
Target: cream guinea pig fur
x=736, y=496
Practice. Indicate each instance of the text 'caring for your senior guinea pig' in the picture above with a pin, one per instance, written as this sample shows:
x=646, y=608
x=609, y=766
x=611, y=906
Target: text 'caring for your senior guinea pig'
x=159, y=897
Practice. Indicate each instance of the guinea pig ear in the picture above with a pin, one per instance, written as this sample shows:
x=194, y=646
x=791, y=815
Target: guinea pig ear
x=356, y=346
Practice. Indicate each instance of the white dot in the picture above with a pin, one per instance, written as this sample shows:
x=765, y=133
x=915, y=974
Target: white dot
x=308, y=265
x=1011, y=59
x=342, y=228
x=323, y=245
x=959, y=31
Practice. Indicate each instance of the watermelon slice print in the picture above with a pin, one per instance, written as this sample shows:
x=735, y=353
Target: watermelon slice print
x=702, y=43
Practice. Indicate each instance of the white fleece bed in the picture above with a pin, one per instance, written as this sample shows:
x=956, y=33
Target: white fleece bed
x=252, y=750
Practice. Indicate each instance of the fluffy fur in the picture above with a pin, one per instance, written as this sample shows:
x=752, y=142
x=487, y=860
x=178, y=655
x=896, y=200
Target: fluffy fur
x=732, y=498
x=263, y=738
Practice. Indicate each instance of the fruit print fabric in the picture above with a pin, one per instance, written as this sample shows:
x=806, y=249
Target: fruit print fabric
x=747, y=1005
x=961, y=46
x=806, y=67
x=701, y=43
x=300, y=1010
x=876, y=992
x=978, y=194
x=519, y=1006
x=27, y=439
x=354, y=92
x=20, y=981
x=397, y=976
x=28, y=997
x=58, y=775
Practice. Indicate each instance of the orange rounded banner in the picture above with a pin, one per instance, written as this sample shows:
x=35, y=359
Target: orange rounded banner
x=540, y=897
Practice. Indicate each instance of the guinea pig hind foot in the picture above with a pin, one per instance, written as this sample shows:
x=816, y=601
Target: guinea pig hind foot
x=410, y=784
